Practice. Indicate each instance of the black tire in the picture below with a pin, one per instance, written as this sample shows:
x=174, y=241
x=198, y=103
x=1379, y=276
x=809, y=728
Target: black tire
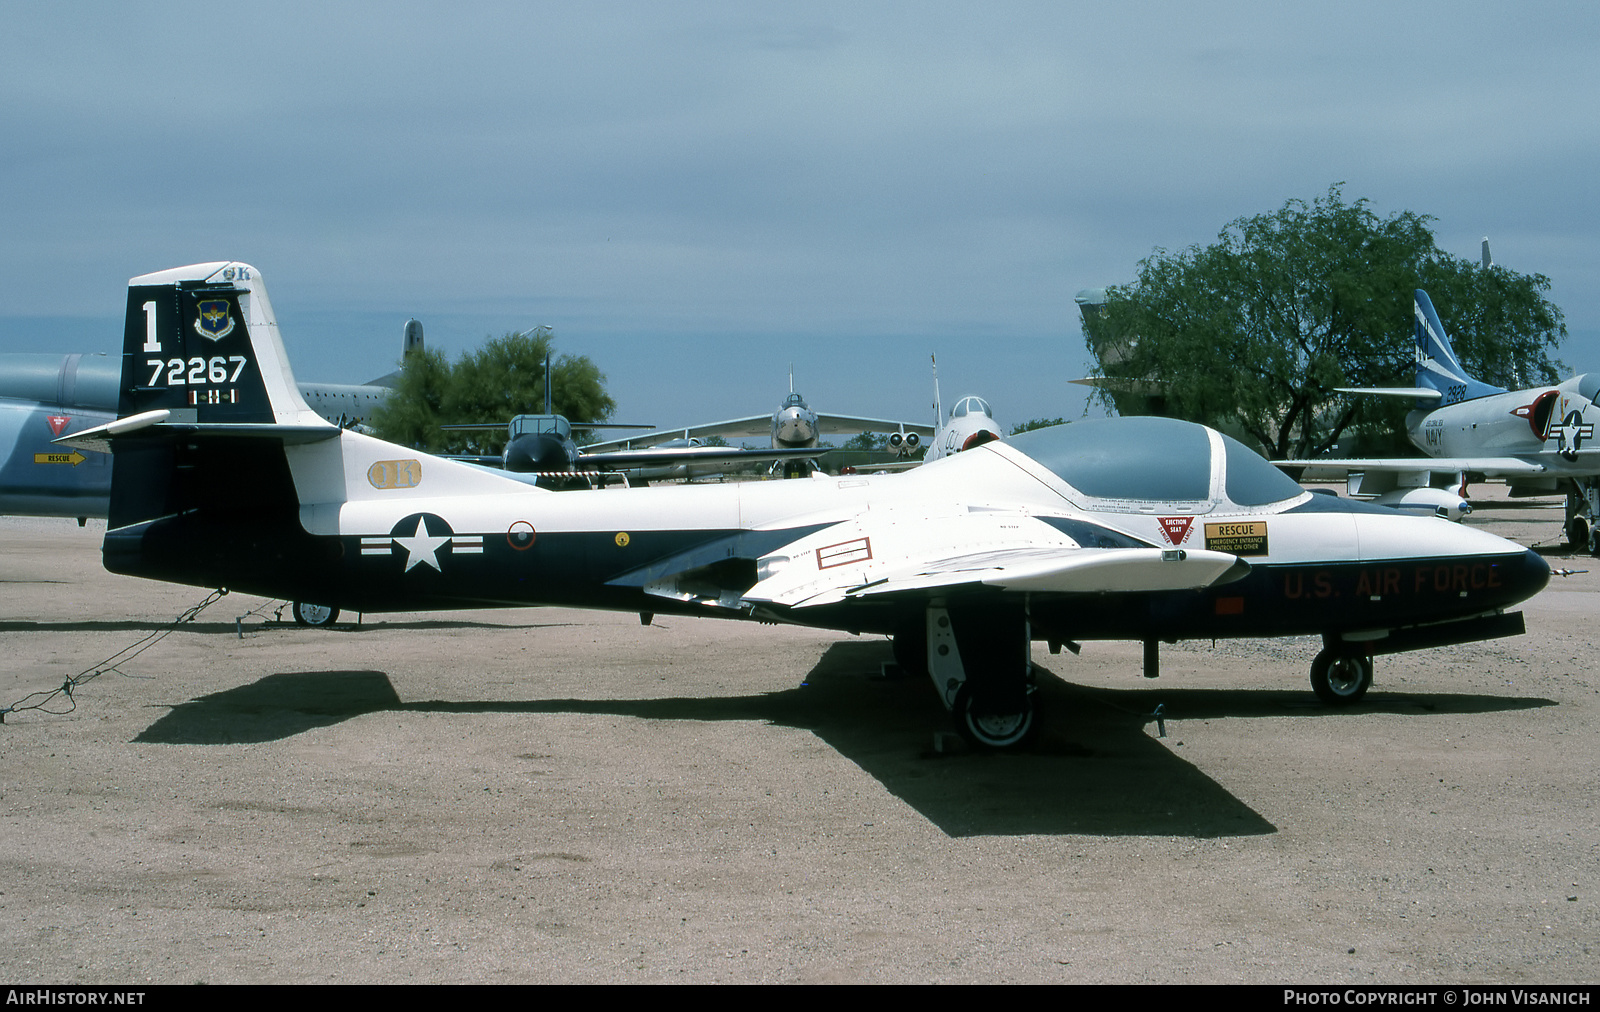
x=316, y=616
x=996, y=732
x=1340, y=679
x=1577, y=534
x=911, y=647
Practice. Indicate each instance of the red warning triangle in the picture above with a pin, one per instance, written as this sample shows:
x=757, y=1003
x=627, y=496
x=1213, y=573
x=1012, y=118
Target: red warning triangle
x=1176, y=528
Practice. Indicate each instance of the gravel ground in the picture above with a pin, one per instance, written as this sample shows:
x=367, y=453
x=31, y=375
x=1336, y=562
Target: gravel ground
x=562, y=796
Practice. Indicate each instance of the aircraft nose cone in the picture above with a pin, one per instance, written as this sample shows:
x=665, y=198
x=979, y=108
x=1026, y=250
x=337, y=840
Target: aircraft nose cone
x=1529, y=575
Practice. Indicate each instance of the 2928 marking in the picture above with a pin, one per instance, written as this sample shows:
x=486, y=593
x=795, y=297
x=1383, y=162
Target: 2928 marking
x=196, y=371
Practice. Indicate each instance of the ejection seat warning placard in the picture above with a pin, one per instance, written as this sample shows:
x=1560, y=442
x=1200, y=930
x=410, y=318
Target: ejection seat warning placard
x=1249, y=538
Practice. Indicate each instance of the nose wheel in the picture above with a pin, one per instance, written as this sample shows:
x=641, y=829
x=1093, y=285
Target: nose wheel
x=1340, y=679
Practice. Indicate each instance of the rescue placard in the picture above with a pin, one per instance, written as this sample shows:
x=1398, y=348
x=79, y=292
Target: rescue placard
x=1243, y=538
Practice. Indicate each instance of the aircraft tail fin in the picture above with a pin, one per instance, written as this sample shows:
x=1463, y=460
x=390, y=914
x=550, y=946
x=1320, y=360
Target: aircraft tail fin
x=207, y=402
x=222, y=475
x=1438, y=368
x=202, y=342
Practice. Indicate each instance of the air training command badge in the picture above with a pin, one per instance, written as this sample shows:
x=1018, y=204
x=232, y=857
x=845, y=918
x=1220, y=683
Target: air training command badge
x=215, y=320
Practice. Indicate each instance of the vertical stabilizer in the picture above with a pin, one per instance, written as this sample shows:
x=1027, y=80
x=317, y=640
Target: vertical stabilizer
x=202, y=342
x=1437, y=365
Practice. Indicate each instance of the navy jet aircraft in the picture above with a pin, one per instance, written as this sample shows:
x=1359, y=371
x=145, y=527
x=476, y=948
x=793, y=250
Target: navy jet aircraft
x=1124, y=528
x=45, y=396
x=1541, y=441
x=971, y=423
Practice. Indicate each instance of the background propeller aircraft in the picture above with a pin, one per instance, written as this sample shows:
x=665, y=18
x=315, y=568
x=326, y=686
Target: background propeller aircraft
x=1540, y=440
x=1135, y=528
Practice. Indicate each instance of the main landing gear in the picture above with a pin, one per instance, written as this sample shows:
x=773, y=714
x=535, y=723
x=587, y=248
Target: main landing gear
x=316, y=616
x=978, y=658
x=1583, y=516
x=1340, y=678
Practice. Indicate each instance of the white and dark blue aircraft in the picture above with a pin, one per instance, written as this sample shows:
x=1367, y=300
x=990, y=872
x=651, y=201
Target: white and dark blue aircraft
x=1541, y=441
x=46, y=396
x=1134, y=528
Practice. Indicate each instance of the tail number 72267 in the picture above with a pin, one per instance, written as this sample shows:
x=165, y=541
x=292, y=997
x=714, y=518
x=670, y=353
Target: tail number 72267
x=196, y=371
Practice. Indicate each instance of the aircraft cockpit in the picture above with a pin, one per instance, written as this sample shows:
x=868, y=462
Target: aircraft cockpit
x=1123, y=462
x=793, y=401
x=1589, y=386
x=554, y=425
x=971, y=406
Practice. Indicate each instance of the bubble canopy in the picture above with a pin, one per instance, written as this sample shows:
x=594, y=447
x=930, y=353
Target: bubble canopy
x=1146, y=459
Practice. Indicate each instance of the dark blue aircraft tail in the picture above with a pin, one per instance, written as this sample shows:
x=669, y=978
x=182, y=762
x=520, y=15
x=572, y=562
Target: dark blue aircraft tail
x=1437, y=365
x=207, y=402
x=221, y=474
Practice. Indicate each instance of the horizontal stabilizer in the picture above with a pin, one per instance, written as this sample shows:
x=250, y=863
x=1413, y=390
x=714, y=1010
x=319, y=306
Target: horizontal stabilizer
x=1489, y=467
x=162, y=422
x=1409, y=393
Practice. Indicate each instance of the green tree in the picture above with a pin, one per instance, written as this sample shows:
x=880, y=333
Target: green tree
x=1255, y=331
x=504, y=377
x=866, y=441
x=414, y=410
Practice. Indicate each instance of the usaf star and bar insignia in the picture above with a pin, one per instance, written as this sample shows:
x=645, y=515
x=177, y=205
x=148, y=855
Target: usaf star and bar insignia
x=423, y=540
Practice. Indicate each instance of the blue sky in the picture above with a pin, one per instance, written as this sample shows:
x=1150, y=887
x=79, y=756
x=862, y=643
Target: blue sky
x=697, y=196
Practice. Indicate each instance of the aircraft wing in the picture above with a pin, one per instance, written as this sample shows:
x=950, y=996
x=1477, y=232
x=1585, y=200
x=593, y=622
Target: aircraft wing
x=898, y=552
x=622, y=460
x=753, y=427
x=851, y=425
x=1489, y=467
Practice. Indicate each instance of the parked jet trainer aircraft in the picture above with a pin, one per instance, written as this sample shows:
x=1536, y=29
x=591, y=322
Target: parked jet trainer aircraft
x=1122, y=528
x=1541, y=440
x=44, y=396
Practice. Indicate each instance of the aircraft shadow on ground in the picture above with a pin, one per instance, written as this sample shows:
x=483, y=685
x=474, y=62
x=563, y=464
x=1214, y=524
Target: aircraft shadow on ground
x=256, y=627
x=1097, y=767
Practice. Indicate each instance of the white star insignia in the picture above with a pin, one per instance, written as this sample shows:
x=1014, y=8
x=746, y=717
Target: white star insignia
x=422, y=547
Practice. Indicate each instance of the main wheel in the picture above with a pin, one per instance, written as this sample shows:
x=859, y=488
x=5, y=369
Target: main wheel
x=314, y=615
x=911, y=648
x=995, y=730
x=1577, y=533
x=1340, y=679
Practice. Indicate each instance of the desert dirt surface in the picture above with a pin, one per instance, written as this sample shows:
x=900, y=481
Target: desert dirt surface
x=562, y=796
